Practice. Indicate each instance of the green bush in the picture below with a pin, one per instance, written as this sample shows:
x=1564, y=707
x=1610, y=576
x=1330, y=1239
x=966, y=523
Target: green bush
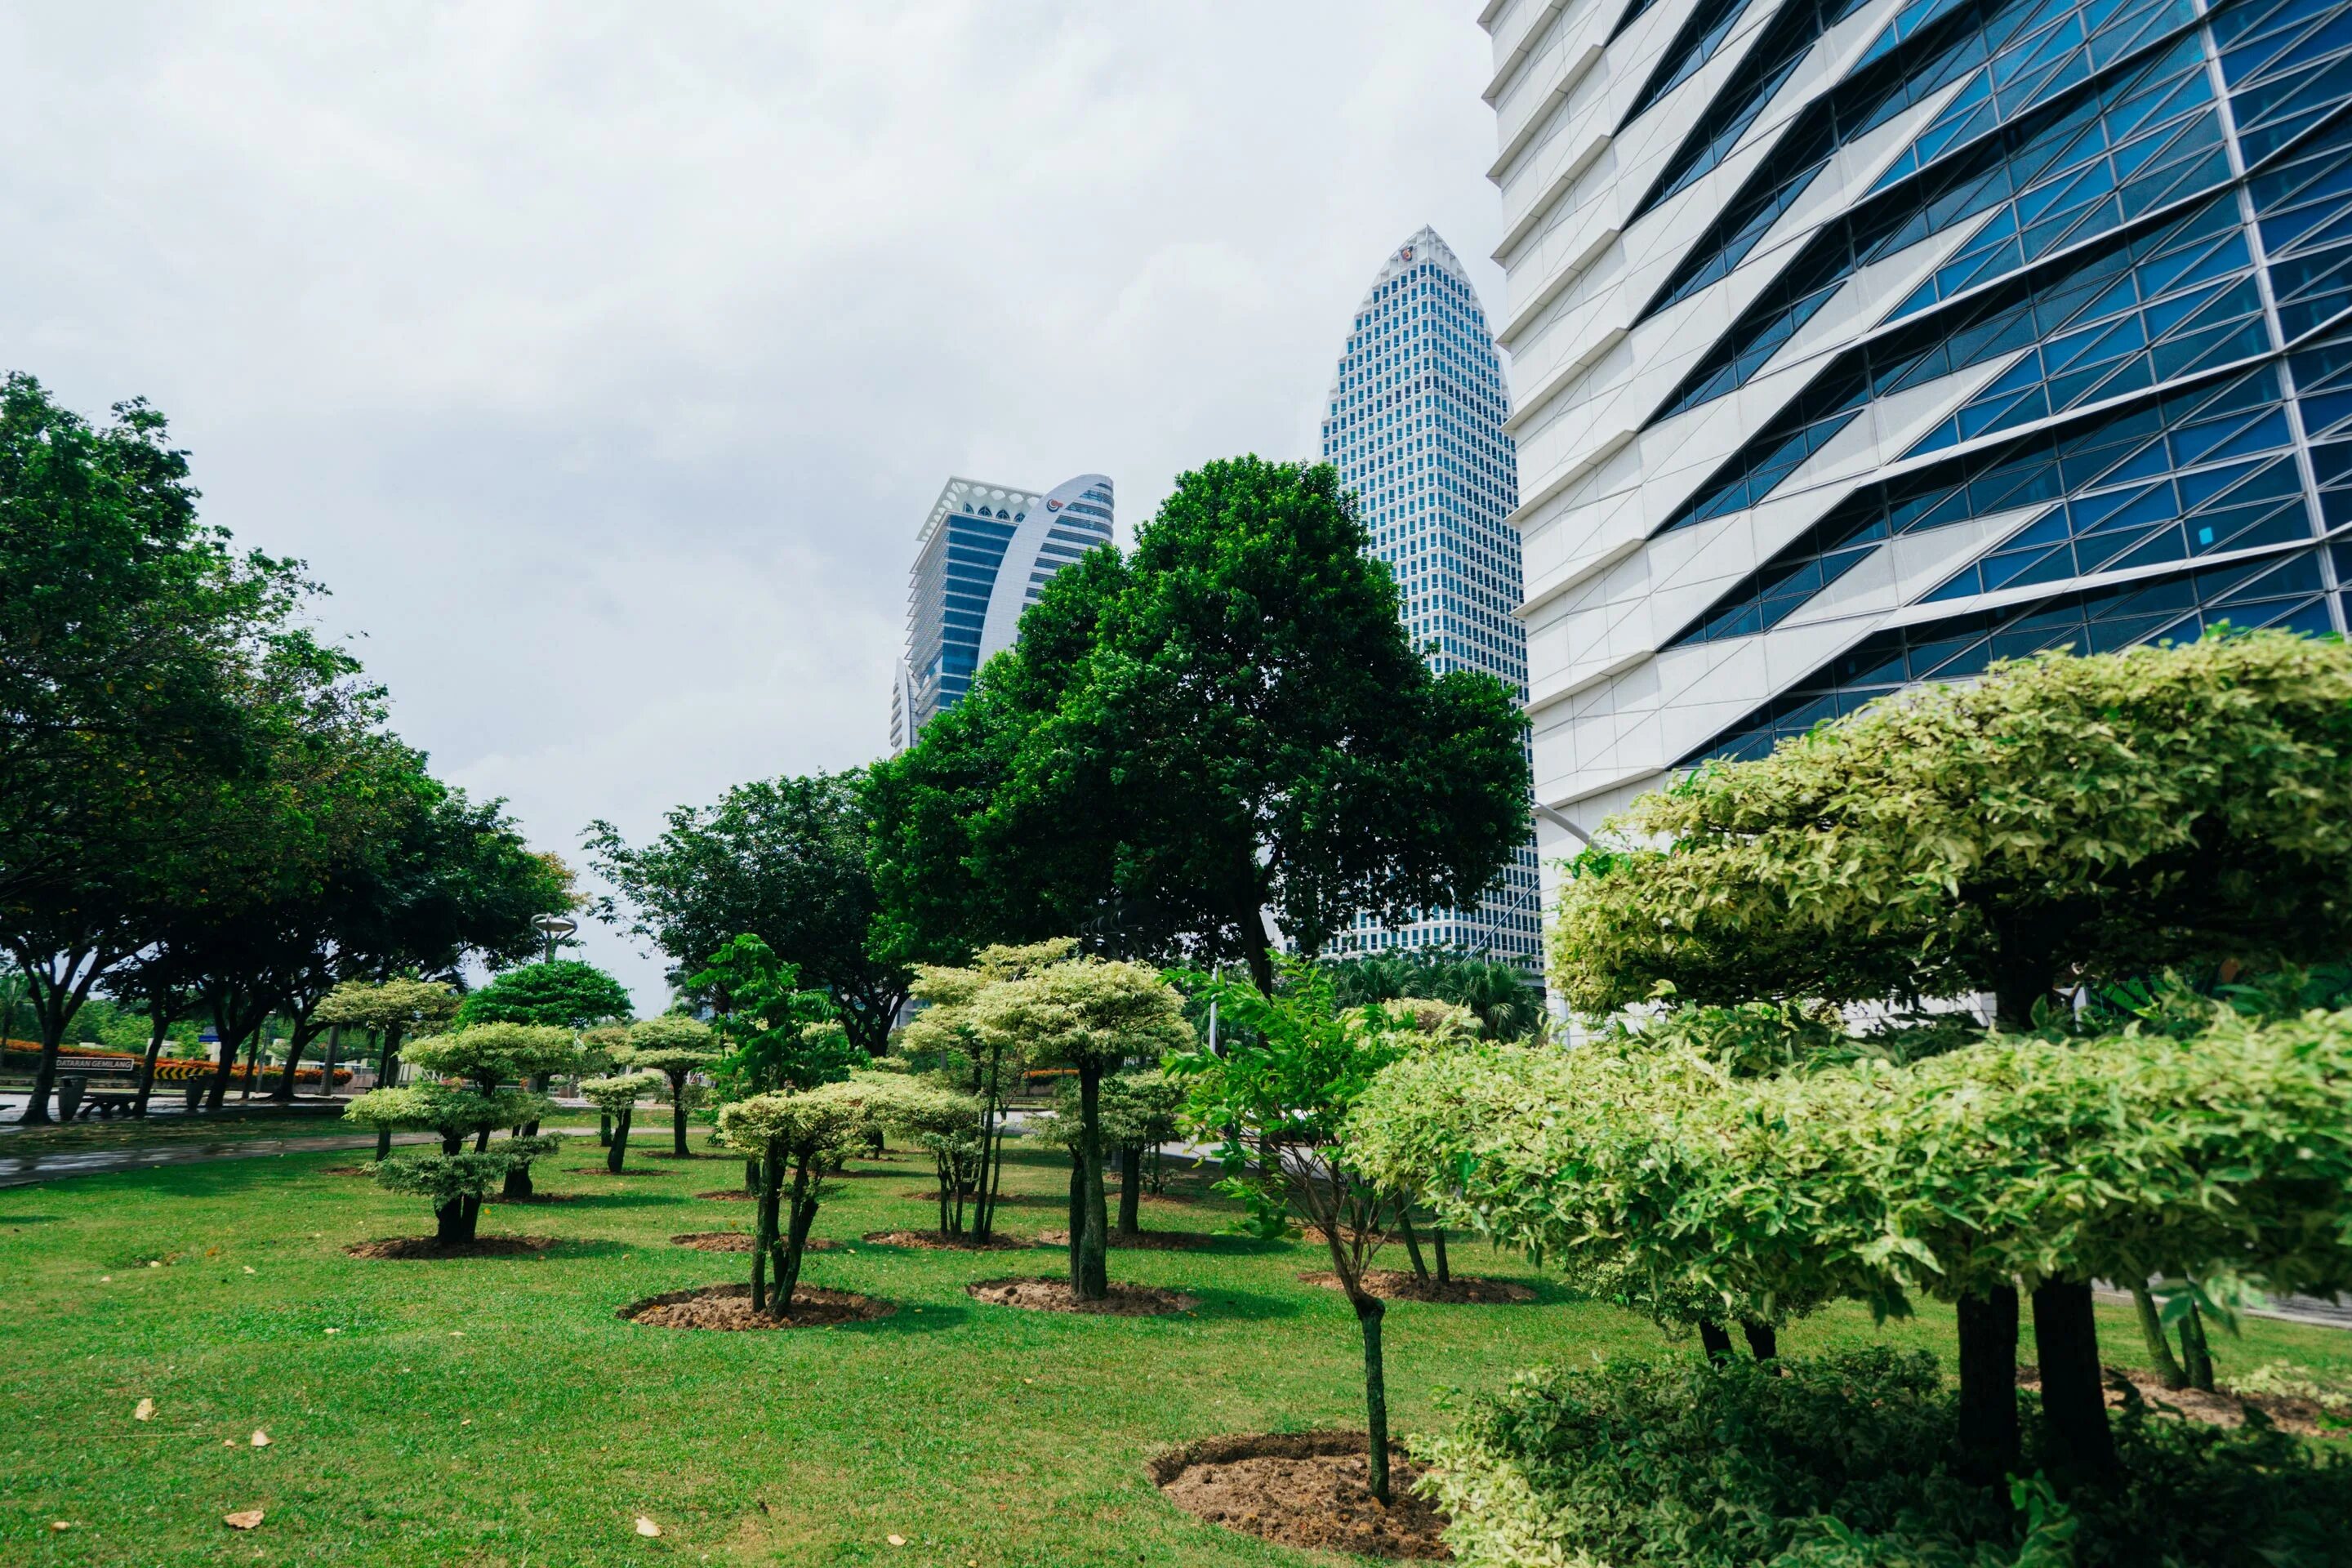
x=1840, y=1462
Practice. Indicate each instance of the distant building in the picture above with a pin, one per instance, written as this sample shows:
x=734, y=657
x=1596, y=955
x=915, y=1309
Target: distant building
x=1415, y=424
x=964, y=601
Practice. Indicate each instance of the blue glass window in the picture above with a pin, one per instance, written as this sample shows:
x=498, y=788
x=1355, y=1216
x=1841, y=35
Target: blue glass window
x=2288, y=64
x=2303, y=208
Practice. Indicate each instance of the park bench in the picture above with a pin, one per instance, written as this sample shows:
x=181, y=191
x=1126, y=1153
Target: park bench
x=106, y=1104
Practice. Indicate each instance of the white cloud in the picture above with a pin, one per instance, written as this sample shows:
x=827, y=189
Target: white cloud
x=603, y=359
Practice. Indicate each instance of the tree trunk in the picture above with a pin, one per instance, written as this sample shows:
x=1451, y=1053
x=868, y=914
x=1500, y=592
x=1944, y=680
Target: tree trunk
x=803, y=1213
x=518, y=1185
x=387, y=1065
x=335, y=1057
x=1714, y=1339
x=231, y=1043
x=284, y=1093
x=449, y=1222
x=1412, y=1242
x=1437, y=1242
x=1763, y=1339
x=1988, y=1412
x=1078, y=1212
x=45, y=1075
x=252, y=1058
x=1130, y=1191
x=619, y=1148
x=678, y=1114
x=2077, y=1442
x=2197, y=1351
x=1093, y=1282
x=751, y=1178
x=2159, y=1347
x=158, y=1026
x=473, y=1214
x=763, y=1241
x=604, y=1131
x=1369, y=1310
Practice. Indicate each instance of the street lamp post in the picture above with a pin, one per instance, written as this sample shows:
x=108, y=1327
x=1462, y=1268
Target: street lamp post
x=555, y=928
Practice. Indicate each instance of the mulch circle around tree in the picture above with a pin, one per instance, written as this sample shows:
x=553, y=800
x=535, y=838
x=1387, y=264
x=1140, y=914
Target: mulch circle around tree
x=737, y=1241
x=1304, y=1489
x=728, y=1308
x=623, y=1171
x=414, y=1247
x=1138, y=1241
x=534, y=1198
x=1396, y=1285
x=2225, y=1407
x=726, y=1195
x=932, y=1241
x=345, y=1171
x=1054, y=1296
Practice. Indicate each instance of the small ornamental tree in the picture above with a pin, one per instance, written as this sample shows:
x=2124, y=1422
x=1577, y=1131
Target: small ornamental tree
x=600, y=1053
x=1139, y=1114
x=776, y=1034
x=456, y=1178
x=676, y=1046
x=1092, y=1015
x=2061, y=821
x=394, y=1009
x=802, y=1136
x=985, y=1062
x=489, y=1055
x=565, y=993
x=1280, y=1090
x=616, y=1098
x=946, y=1125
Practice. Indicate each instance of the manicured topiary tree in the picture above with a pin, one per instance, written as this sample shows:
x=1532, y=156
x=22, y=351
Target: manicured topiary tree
x=677, y=1047
x=2061, y=821
x=565, y=993
x=1279, y=1092
x=394, y=1009
x=616, y=1098
x=600, y=1050
x=1092, y=1015
x=1139, y=1114
x=489, y=1055
x=802, y=1136
x=456, y=1178
x=946, y=1125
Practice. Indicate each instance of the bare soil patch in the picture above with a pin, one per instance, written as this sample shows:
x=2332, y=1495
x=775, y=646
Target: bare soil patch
x=1304, y=1489
x=726, y=1195
x=1138, y=1241
x=2224, y=1409
x=623, y=1171
x=728, y=1308
x=932, y=1241
x=1054, y=1296
x=535, y=1198
x=1397, y=1284
x=737, y=1241
x=413, y=1247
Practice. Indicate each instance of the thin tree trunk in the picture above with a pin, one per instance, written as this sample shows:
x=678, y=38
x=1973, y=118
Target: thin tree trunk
x=387, y=1065
x=1988, y=1409
x=1714, y=1339
x=763, y=1242
x=284, y=1093
x=1078, y=1212
x=604, y=1131
x=1412, y=1242
x=1369, y=1311
x=472, y=1216
x=803, y=1211
x=253, y=1058
x=1094, y=1272
x=619, y=1148
x=1437, y=1241
x=751, y=1178
x=518, y=1187
x=1763, y=1339
x=1130, y=1191
x=2076, y=1441
x=677, y=1115
x=335, y=1057
x=158, y=1026
x=2197, y=1349
x=2160, y=1346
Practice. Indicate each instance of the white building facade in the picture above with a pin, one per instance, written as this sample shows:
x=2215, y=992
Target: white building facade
x=1415, y=425
x=983, y=556
x=1859, y=342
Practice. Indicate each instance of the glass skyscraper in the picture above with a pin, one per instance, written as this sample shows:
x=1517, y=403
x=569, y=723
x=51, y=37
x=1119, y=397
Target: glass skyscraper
x=1861, y=343
x=981, y=557
x=1415, y=425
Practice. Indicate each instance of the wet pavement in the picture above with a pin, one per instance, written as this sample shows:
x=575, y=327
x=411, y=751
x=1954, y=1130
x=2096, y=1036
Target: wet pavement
x=25, y=1170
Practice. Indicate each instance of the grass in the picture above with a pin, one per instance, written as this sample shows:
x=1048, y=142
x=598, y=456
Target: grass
x=498, y=1412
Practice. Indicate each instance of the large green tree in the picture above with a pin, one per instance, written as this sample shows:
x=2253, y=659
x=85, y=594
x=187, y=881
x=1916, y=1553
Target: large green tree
x=1231, y=722
x=566, y=994
x=782, y=859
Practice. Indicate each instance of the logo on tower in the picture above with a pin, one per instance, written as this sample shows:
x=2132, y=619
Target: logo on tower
x=1406, y=254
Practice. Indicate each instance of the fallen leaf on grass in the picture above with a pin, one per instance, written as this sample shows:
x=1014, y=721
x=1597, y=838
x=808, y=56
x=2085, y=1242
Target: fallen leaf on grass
x=646, y=1526
x=260, y=1438
x=250, y=1268
x=62, y=1524
x=896, y=1540
x=245, y=1520
x=146, y=1411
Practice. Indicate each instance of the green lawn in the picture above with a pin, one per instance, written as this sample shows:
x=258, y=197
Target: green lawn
x=979, y=1435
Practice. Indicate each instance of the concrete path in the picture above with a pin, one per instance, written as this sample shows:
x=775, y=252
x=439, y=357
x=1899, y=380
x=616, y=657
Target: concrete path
x=25, y=1170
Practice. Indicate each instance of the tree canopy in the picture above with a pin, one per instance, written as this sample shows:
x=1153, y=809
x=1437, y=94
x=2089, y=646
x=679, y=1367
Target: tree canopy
x=566, y=994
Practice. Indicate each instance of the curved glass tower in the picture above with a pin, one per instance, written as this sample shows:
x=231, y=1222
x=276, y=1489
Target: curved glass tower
x=1860, y=342
x=983, y=555
x=1415, y=424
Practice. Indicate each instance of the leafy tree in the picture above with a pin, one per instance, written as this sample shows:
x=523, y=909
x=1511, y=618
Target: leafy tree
x=951, y=1031
x=1139, y=1114
x=809, y=1134
x=677, y=1047
x=392, y=1010
x=783, y=860
x=778, y=1035
x=457, y=1178
x=566, y=994
x=1507, y=1006
x=1280, y=1092
x=2063, y=822
x=488, y=1055
x=1232, y=721
x=1092, y=1015
x=945, y=1125
x=617, y=1098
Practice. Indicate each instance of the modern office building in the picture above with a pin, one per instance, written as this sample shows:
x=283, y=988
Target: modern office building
x=1859, y=342
x=1415, y=425
x=983, y=556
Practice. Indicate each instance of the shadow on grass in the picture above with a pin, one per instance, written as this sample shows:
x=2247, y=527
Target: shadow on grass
x=28, y=1220
x=1222, y=1303
x=557, y=1248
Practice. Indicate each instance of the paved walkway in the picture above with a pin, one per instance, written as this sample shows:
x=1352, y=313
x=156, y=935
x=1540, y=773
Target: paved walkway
x=25, y=1170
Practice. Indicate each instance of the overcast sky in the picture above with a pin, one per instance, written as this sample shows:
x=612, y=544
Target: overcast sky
x=603, y=359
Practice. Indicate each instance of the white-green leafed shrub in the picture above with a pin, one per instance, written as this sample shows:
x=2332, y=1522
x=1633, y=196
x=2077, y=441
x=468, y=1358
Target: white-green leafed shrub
x=497, y=1053
x=444, y=1177
x=451, y=1112
x=615, y=1095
